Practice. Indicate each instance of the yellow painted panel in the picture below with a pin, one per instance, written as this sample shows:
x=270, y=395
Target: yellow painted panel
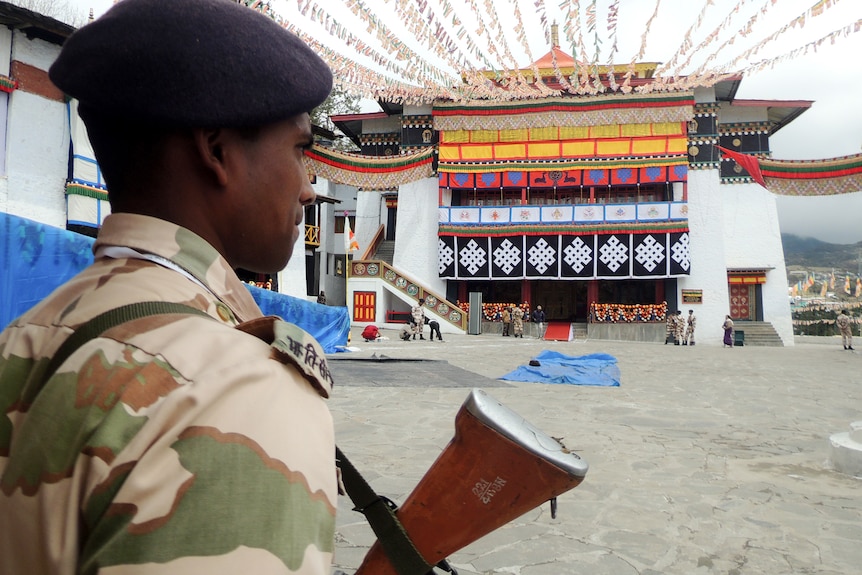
x=649, y=146
x=606, y=131
x=547, y=133
x=668, y=129
x=613, y=147
x=677, y=145
x=578, y=149
x=483, y=152
x=449, y=153
x=454, y=136
x=521, y=135
x=543, y=150
x=483, y=136
x=574, y=133
x=636, y=130
x=510, y=151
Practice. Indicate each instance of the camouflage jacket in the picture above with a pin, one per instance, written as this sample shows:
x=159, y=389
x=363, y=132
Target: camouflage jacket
x=173, y=443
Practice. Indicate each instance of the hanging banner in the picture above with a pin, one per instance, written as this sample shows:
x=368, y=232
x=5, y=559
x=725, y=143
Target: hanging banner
x=567, y=257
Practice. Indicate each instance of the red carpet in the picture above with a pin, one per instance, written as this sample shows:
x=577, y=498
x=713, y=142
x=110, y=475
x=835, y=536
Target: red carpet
x=559, y=331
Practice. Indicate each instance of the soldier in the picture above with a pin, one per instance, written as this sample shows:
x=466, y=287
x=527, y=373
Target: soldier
x=843, y=323
x=507, y=321
x=689, y=331
x=679, y=328
x=417, y=312
x=670, y=327
x=518, y=321
x=177, y=443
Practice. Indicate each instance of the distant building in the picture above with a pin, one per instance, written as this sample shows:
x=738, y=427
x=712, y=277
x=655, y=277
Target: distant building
x=568, y=202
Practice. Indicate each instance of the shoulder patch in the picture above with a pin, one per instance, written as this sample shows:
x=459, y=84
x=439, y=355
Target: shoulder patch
x=292, y=345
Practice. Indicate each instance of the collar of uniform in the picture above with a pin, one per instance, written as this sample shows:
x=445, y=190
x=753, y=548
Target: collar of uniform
x=184, y=248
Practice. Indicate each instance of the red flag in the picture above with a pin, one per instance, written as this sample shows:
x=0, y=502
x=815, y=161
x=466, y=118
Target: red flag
x=749, y=163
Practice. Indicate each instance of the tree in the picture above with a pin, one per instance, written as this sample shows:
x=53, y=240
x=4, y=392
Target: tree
x=338, y=102
x=61, y=10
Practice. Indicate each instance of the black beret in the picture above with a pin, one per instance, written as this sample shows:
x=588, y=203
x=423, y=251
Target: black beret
x=197, y=63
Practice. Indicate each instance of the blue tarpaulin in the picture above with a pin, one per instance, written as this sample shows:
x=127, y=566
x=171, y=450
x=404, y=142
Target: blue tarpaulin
x=37, y=258
x=328, y=324
x=594, y=369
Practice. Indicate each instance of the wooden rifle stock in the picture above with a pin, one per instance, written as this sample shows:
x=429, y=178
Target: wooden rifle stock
x=496, y=468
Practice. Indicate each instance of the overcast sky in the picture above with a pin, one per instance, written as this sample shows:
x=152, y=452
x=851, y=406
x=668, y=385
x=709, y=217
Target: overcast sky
x=831, y=127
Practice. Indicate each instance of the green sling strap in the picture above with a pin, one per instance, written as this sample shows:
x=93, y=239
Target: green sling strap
x=380, y=515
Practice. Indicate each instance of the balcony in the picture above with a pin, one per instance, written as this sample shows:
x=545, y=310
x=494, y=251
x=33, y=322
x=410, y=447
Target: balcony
x=591, y=215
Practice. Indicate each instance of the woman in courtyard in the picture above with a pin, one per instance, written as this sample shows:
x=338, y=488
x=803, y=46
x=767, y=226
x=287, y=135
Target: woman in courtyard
x=728, y=331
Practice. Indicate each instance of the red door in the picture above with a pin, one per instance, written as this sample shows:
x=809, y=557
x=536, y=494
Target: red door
x=364, y=305
x=741, y=301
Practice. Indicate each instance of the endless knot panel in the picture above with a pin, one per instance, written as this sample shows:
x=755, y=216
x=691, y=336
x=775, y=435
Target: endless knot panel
x=614, y=253
x=542, y=256
x=472, y=256
x=649, y=253
x=680, y=252
x=445, y=256
x=507, y=256
x=578, y=254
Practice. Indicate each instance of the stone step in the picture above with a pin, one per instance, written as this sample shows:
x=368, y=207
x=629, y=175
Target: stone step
x=759, y=333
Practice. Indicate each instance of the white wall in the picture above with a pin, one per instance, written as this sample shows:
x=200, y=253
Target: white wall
x=369, y=215
x=416, y=233
x=37, y=144
x=708, y=273
x=752, y=239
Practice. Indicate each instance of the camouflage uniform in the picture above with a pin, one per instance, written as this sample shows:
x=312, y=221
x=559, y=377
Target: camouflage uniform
x=172, y=444
x=518, y=321
x=679, y=329
x=417, y=312
x=689, y=331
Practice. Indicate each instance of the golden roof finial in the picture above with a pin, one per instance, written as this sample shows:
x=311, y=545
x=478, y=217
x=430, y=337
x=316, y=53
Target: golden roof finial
x=555, y=35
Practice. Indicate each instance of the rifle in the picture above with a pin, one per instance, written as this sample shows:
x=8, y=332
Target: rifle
x=496, y=468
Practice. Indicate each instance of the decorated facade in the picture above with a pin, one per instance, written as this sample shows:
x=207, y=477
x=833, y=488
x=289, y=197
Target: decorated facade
x=601, y=208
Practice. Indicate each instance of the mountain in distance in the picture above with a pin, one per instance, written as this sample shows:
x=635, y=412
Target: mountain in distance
x=815, y=255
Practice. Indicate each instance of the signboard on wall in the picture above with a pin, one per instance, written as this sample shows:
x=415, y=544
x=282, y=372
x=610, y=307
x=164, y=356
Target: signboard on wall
x=692, y=296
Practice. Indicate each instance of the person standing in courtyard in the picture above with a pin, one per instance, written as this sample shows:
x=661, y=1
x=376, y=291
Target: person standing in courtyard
x=539, y=320
x=728, y=331
x=689, y=330
x=670, y=327
x=417, y=312
x=679, y=328
x=507, y=321
x=198, y=439
x=518, y=321
x=844, y=327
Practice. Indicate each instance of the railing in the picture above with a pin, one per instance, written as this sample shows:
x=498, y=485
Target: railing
x=586, y=214
x=374, y=244
x=312, y=235
x=411, y=288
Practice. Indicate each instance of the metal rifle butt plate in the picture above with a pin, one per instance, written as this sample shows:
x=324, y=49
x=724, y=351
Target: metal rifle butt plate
x=517, y=429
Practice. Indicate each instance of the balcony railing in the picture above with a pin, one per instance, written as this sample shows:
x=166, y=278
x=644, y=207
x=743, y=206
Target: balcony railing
x=586, y=214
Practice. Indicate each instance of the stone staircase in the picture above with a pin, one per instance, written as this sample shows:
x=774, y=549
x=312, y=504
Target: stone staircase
x=386, y=251
x=758, y=333
x=579, y=330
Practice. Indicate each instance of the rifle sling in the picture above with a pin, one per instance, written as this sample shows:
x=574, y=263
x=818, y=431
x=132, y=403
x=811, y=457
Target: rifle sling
x=391, y=534
x=399, y=548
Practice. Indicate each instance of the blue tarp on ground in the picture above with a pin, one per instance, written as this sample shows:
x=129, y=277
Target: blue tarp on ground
x=594, y=369
x=37, y=258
